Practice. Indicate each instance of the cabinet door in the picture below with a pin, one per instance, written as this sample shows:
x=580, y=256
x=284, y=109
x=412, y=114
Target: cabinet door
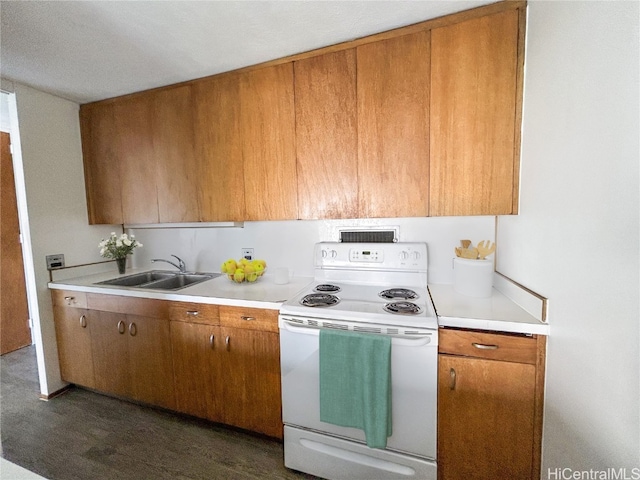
x=485, y=419
x=268, y=134
x=73, y=334
x=173, y=146
x=393, y=126
x=150, y=363
x=133, y=142
x=101, y=170
x=474, y=67
x=195, y=349
x=218, y=146
x=110, y=348
x=326, y=135
x=251, y=384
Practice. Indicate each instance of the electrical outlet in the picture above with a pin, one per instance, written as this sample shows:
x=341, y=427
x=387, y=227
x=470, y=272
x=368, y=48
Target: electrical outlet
x=247, y=253
x=55, y=261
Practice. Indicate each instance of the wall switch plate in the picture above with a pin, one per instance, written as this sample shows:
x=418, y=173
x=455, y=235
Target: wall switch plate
x=55, y=261
x=247, y=253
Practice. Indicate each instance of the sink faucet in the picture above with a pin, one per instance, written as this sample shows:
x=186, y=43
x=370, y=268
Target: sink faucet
x=180, y=266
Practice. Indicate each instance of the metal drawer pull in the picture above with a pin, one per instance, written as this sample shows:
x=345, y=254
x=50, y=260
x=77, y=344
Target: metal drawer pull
x=133, y=329
x=121, y=327
x=70, y=300
x=83, y=321
x=248, y=319
x=483, y=346
x=211, y=341
x=452, y=383
x=193, y=313
x=227, y=342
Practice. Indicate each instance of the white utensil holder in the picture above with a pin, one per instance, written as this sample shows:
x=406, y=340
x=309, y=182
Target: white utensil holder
x=473, y=278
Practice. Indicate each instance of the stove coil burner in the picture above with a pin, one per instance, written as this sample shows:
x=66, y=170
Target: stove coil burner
x=403, y=293
x=319, y=300
x=327, y=288
x=402, y=308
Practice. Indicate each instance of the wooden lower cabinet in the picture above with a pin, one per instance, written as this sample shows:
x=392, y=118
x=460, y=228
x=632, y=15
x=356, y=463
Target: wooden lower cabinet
x=73, y=334
x=217, y=363
x=132, y=357
x=251, y=380
x=489, y=407
x=196, y=367
x=229, y=373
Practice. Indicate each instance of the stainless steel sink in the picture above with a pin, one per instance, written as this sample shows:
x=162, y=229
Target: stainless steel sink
x=160, y=280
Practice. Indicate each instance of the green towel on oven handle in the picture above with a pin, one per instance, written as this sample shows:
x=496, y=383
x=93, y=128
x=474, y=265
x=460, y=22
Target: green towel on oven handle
x=355, y=383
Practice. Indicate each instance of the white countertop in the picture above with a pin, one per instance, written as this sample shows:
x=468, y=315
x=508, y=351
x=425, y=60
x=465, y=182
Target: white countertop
x=497, y=312
x=220, y=290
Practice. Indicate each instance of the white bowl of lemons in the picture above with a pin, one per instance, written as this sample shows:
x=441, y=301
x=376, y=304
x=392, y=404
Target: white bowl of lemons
x=243, y=270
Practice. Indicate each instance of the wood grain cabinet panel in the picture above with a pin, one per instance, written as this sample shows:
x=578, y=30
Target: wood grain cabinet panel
x=326, y=135
x=485, y=419
x=73, y=335
x=218, y=147
x=133, y=143
x=474, y=112
x=101, y=164
x=197, y=370
x=393, y=126
x=267, y=129
x=177, y=175
x=490, y=405
x=251, y=385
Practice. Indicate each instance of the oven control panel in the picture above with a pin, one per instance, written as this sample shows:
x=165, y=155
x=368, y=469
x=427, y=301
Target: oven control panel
x=366, y=255
x=387, y=256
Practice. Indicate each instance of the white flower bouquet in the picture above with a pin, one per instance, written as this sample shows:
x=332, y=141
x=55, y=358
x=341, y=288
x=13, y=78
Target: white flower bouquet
x=118, y=246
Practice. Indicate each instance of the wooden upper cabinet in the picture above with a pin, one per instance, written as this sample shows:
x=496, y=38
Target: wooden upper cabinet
x=475, y=99
x=267, y=127
x=326, y=135
x=173, y=147
x=218, y=148
x=133, y=144
x=393, y=126
x=101, y=169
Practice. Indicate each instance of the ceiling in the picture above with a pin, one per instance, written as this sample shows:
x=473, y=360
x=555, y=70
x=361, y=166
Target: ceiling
x=91, y=50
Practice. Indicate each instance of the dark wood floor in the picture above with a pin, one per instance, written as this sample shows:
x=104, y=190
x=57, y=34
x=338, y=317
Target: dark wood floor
x=82, y=435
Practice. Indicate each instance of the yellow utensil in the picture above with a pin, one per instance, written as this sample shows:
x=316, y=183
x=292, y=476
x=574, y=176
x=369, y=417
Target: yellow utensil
x=470, y=253
x=486, y=247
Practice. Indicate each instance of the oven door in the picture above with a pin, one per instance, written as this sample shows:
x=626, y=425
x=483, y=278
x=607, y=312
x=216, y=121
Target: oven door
x=414, y=388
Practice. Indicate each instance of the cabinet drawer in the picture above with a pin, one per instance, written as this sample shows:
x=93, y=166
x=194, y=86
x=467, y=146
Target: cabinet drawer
x=67, y=298
x=145, y=307
x=492, y=346
x=194, y=313
x=250, y=318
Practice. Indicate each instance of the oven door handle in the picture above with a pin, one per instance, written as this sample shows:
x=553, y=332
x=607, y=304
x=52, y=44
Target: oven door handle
x=414, y=340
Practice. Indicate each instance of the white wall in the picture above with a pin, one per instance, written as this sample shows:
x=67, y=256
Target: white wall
x=576, y=239
x=290, y=244
x=56, y=204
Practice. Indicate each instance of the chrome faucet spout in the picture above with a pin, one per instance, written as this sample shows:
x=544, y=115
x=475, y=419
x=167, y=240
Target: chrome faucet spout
x=180, y=266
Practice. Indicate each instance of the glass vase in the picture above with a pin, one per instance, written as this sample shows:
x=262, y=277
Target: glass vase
x=122, y=263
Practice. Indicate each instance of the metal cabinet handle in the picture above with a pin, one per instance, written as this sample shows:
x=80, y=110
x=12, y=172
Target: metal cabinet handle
x=212, y=341
x=483, y=346
x=83, y=321
x=193, y=313
x=248, y=319
x=452, y=382
x=133, y=329
x=121, y=327
x=227, y=342
x=70, y=300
